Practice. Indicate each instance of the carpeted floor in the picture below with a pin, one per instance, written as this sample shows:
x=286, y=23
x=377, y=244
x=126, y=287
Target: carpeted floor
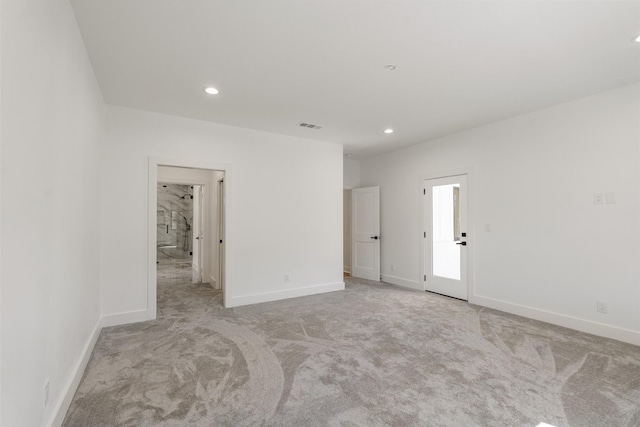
x=373, y=355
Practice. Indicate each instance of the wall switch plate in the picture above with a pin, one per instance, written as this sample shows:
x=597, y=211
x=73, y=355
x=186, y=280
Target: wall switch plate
x=602, y=307
x=487, y=227
x=598, y=198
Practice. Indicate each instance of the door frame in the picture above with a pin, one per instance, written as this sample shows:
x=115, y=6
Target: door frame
x=471, y=237
x=152, y=197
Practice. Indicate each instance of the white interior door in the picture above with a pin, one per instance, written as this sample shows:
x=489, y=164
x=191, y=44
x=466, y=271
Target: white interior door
x=365, y=229
x=198, y=232
x=446, y=236
x=221, y=234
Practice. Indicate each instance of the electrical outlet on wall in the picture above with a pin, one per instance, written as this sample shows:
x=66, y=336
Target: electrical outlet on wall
x=286, y=278
x=602, y=307
x=393, y=267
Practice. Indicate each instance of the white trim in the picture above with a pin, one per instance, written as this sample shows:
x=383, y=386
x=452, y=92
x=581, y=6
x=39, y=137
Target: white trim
x=346, y=269
x=405, y=283
x=470, y=220
x=69, y=390
x=152, y=284
x=285, y=294
x=583, y=325
x=126, y=317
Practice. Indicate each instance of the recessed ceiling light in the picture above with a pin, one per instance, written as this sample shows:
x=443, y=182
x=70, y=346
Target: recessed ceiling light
x=390, y=67
x=211, y=90
x=389, y=130
x=637, y=39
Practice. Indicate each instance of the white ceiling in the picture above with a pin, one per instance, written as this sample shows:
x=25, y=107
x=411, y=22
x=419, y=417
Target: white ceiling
x=278, y=63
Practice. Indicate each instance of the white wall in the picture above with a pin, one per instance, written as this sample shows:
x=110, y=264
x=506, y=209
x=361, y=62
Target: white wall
x=284, y=205
x=182, y=175
x=551, y=252
x=351, y=172
x=52, y=132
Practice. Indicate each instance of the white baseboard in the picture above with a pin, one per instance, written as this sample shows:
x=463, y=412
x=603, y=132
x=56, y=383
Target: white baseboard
x=285, y=294
x=403, y=282
x=126, y=317
x=583, y=325
x=69, y=390
x=346, y=269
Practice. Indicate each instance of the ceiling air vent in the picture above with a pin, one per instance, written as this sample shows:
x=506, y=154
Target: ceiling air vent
x=309, y=125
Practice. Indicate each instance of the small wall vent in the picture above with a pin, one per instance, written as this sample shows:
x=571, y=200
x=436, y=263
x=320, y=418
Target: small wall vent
x=309, y=125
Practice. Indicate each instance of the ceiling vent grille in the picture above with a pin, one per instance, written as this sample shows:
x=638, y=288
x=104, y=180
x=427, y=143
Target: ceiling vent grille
x=309, y=125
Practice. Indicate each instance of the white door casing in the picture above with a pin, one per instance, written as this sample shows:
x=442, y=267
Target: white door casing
x=365, y=233
x=446, y=236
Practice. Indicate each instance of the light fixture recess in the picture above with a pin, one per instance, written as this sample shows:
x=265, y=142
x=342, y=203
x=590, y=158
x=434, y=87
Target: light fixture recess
x=388, y=131
x=211, y=90
x=637, y=38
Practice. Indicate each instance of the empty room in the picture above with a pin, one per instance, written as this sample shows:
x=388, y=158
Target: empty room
x=319, y=213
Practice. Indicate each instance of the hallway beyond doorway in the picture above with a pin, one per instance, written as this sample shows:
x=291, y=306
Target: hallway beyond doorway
x=176, y=272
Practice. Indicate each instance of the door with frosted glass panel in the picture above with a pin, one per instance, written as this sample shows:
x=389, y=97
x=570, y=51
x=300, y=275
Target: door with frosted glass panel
x=445, y=236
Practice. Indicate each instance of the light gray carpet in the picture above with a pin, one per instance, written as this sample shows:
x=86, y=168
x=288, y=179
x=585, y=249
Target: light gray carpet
x=373, y=355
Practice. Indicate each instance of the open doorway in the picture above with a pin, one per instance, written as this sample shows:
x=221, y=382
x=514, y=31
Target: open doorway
x=189, y=226
x=178, y=260
x=186, y=227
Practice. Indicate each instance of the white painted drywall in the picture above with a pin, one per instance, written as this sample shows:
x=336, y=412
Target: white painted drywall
x=52, y=134
x=351, y=172
x=550, y=249
x=286, y=216
x=182, y=175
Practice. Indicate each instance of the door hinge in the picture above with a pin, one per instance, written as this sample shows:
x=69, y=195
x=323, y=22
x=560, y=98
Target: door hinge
x=425, y=234
x=424, y=191
x=425, y=277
